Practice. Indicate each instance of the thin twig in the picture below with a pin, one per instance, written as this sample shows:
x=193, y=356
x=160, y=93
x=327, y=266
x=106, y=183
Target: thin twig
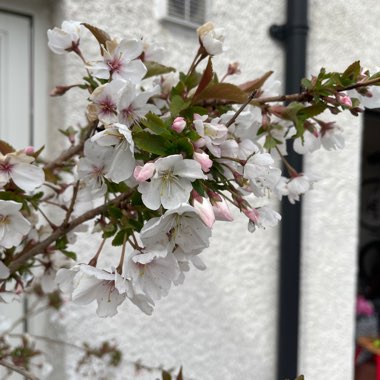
x=119, y=268
x=239, y=111
x=94, y=260
x=72, y=204
x=64, y=229
x=22, y=371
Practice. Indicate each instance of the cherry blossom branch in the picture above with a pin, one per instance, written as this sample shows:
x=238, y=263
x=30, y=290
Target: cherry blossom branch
x=305, y=95
x=22, y=371
x=73, y=150
x=64, y=229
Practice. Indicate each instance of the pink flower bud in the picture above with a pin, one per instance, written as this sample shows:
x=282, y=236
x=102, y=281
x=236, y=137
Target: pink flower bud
x=204, y=159
x=343, y=99
x=222, y=211
x=233, y=68
x=200, y=143
x=252, y=214
x=179, y=124
x=205, y=211
x=29, y=150
x=143, y=173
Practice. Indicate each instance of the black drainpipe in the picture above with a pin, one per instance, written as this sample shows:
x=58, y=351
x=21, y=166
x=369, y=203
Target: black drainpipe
x=294, y=37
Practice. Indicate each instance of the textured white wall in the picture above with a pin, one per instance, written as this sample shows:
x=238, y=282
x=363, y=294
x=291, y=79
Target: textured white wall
x=221, y=323
x=340, y=33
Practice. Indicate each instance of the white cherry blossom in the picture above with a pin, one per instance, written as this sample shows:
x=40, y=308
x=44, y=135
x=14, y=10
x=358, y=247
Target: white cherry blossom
x=133, y=106
x=104, y=102
x=18, y=168
x=212, y=134
x=87, y=284
x=171, y=183
x=93, y=167
x=211, y=38
x=261, y=173
x=13, y=226
x=181, y=227
x=122, y=161
x=151, y=273
x=66, y=38
x=120, y=61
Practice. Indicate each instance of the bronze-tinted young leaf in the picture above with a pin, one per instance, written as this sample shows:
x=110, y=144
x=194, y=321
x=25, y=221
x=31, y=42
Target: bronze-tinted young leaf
x=166, y=375
x=256, y=83
x=155, y=68
x=223, y=91
x=98, y=33
x=206, y=78
x=151, y=143
x=180, y=376
x=6, y=148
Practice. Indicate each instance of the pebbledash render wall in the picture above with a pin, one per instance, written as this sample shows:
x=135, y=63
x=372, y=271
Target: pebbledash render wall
x=221, y=324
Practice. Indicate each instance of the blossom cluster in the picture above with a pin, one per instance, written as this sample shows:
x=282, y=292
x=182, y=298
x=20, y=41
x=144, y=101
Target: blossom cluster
x=164, y=156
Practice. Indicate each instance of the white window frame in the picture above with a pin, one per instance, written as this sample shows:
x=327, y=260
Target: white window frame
x=162, y=13
x=39, y=11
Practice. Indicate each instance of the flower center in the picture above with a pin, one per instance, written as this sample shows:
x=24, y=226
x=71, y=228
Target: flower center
x=107, y=106
x=115, y=65
x=6, y=167
x=4, y=219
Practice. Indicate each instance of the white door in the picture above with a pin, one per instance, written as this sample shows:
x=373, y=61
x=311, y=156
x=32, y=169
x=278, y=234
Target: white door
x=23, y=97
x=16, y=98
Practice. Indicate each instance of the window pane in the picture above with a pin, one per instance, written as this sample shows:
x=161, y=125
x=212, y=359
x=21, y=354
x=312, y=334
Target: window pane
x=176, y=8
x=197, y=11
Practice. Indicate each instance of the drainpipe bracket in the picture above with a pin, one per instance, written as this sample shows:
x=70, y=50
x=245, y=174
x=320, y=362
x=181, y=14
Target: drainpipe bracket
x=279, y=32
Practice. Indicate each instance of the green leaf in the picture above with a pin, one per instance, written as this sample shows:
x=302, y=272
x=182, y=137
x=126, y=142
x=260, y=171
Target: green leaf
x=119, y=238
x=70, y=254
x=197, y=186
x=109, y=230
x=222, y=91
x=306, y=84
x=311, y=111
x=177, y=104
x=182, y=145
x=192, y=80
x=117, y=187
x=114, y=212
x=166, y=375
x=155, y=68
x=151, y=143
x=10, y=196
x=61, y=243
x=189, y=112
x=98, y=33
x=155, y=124
x=271, y=142
x=206, y=78
x=352, y=72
